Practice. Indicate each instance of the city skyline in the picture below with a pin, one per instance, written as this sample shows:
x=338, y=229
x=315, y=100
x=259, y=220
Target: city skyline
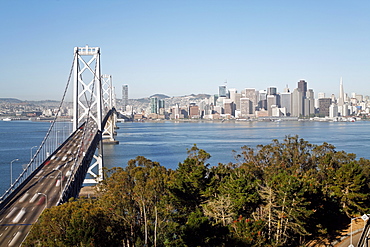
x=179, y=48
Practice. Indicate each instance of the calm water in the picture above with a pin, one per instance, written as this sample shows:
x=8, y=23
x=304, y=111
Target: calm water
x=167, y=142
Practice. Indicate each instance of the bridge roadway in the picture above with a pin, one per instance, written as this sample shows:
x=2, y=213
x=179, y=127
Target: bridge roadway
x=42, y=191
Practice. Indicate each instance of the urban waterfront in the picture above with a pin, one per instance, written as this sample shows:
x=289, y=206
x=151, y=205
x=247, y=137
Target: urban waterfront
x=168, y=141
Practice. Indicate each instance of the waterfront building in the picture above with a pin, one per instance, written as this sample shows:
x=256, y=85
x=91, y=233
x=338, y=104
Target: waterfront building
x=297, y=103
x=272, y=100
x=218, y=109
x=229, y=107
x=286, y=102
x=310, y=105
x=124, y=96
x=246, y=108
x=194, y=111
x=154, y=105
x=343, y=110
x=324, y=105
x=333, y=111
x=341, y=93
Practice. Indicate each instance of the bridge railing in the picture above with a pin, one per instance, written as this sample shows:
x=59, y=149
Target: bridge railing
x=48, y=147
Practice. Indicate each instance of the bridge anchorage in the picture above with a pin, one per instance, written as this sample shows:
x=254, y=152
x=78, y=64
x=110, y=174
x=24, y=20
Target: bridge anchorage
x=64, y=162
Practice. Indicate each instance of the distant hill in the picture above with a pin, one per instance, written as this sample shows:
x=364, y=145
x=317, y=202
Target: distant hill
x=10, y=100
x=160, y=96
x=200, y=95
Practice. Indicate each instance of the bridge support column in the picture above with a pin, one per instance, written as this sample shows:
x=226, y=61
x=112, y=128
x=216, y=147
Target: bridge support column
x=108, y=104
x=87, y=103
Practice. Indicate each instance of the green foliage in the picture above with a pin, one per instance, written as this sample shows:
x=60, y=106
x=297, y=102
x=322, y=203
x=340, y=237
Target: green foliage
x=285, y=193
x=248, y=232
x=76, y=223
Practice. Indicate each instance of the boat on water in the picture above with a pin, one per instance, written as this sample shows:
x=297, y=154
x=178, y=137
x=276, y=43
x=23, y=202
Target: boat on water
x=7, y=119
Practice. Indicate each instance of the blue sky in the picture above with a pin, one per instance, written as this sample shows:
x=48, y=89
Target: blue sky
x=182, y=47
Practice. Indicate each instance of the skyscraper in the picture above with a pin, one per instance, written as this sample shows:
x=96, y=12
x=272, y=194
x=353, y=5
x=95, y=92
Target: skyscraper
x=302, y=86
x=341, y=93
x=246, y=107
x=297, y=103
x=309, y=107
x=154, y=105
x=271, y=91
x=124, y=96
x=324, y=106
x=272, y=100
x=250, y=93
x=286, y=102
x=222, y=92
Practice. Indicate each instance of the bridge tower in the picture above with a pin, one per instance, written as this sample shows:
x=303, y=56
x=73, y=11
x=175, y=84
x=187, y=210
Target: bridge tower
x=87, y=101
x=109, y=104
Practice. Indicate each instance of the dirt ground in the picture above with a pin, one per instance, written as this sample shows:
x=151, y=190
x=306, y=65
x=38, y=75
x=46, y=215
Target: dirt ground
x=87, y=192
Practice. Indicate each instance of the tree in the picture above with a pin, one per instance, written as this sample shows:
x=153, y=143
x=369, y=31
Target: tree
x=75, y=223
x=135, y=196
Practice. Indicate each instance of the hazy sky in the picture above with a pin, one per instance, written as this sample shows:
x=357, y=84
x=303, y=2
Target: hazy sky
x=182, y=47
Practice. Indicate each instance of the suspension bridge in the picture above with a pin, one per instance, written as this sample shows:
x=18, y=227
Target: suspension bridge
x=63, y=163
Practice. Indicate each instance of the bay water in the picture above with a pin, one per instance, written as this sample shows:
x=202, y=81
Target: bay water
x=167, y=141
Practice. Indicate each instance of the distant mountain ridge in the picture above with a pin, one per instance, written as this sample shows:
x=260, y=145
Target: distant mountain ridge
x=160, y=96
x=10, y=100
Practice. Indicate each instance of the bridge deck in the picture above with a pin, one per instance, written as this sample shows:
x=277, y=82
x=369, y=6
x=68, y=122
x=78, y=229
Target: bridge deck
x=41, y=191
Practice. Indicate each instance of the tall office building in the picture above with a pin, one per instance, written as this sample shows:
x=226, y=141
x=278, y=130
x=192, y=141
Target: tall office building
x=124, y=96
x=333, y=111
x=324, y=106
x=286, y=102
x=232, y=93
x=297, y=103
x=222, y=91
x=272, y=101
x=302, y=86
x=262, y=99
x=161, y=103
x=251, y=94
x=154, y=105
x=246, y=107
x=342, y=107
x=341, y=93
x=310, y=103
x=229, y=107
x=271, y=91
